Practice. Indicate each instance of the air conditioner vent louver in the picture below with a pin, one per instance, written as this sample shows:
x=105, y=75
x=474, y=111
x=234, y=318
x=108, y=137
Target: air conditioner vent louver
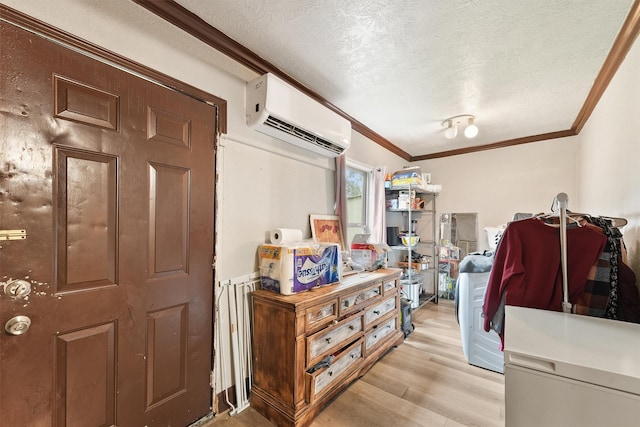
x=302, y=134
x=277, y=109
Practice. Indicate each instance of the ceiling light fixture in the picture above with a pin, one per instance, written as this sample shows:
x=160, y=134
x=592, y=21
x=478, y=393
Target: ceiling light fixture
x=452, y=130
x=471, y=130
x=452, y=123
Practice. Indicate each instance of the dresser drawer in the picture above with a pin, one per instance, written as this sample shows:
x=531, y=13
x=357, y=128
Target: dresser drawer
x=320, y=381
x=377, y=311
x=332, y=338
x=378, y=334
x=320, y=315
x=355, y=301
x=389, y=286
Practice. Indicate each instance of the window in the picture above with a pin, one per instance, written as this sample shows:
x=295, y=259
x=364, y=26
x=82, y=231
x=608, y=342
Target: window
x=358, y=182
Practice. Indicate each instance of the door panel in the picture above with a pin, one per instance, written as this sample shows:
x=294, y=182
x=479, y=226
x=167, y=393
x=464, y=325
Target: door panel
x=168, y=220
x=166, y=370
x=86, y=187
x=112, y=176
x=85, y=373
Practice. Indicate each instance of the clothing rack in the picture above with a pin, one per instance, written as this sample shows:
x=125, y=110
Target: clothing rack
x=555, y=362
x=592, y=254
x=562, y=201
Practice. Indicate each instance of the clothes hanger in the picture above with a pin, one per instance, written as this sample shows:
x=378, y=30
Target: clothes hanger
x=575, y=216
x=555, y=206
x=552, y=215
x=615, y=221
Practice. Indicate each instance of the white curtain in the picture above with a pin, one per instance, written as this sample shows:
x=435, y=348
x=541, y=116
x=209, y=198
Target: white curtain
x=340, y=207
x=377, y=216
x=378, y=221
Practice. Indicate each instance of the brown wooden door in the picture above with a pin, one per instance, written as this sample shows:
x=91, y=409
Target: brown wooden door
x=112, y=177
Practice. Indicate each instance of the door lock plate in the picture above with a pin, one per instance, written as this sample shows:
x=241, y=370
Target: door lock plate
x=13, y=234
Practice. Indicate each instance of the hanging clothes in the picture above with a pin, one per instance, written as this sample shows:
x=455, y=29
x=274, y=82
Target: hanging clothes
x=526, y=270
x=600, y=298
x=629, y=307
x=595, y=298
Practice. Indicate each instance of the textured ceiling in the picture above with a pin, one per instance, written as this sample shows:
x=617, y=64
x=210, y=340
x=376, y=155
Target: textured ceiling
x=401, y=67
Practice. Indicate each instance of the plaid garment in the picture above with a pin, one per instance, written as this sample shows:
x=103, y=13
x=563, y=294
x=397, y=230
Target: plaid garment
x=600, y=296
x=595, y=298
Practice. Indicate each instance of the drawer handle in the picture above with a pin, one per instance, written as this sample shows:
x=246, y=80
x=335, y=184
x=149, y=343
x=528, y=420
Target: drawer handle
x=351, y=327
x=330, y=373
x=329, y=340
x=531, y=362
x=376, y=311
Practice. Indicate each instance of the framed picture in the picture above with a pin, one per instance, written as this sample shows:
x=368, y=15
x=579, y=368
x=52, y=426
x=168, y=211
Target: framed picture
x=326, y=229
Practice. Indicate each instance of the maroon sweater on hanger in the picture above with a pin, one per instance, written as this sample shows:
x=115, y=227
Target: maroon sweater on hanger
x=526, y=267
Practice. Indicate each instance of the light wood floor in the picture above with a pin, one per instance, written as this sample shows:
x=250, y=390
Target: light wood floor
x=424, y=382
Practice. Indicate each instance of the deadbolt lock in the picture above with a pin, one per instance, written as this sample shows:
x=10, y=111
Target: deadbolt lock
x=17, y=288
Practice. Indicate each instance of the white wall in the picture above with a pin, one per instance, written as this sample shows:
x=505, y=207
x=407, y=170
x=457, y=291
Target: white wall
x=609, y=155
x=498, y=183
x=363, y=150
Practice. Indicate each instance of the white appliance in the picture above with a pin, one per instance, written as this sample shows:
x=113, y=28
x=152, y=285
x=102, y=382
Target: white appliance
x=569, y=370
x=278, y=109
x=480, y=348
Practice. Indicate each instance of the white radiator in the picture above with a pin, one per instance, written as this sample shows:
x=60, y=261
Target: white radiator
x=235, y=300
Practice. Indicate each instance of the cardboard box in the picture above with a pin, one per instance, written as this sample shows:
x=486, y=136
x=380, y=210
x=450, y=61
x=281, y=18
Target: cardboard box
x=405, y=177
x=368, y=255
x=363, y=254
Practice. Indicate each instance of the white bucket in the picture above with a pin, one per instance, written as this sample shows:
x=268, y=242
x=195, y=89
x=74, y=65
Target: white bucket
x=412, y=293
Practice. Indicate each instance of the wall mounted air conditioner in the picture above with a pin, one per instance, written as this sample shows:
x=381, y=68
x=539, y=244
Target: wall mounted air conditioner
x=278, y=109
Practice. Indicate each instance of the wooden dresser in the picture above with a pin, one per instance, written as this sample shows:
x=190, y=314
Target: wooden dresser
x=307, y=347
